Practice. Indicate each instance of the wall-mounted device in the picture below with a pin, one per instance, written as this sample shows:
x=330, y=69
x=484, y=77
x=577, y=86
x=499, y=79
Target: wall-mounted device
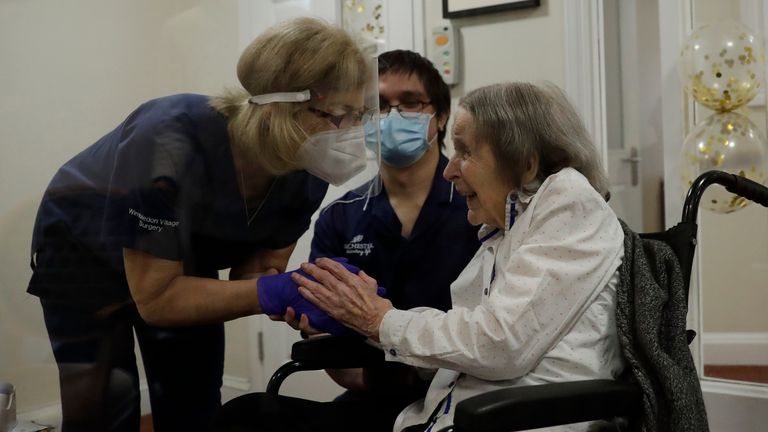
x=443, y=49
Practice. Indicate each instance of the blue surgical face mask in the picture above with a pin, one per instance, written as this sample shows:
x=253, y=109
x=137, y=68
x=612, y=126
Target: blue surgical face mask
x=403, y=139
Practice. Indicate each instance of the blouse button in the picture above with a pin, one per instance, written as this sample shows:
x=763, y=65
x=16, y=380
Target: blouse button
x=485, y=291
x=392, y=352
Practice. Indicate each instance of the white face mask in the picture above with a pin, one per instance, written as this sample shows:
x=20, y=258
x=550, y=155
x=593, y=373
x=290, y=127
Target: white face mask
x=336, y=155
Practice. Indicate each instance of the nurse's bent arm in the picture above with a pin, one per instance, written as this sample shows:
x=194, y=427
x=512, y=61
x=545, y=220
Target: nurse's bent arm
x=166, y=297
x=262, y=262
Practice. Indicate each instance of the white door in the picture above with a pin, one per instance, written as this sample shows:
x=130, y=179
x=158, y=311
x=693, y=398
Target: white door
x=398, y=25
x=601, y=79
x=265, y=345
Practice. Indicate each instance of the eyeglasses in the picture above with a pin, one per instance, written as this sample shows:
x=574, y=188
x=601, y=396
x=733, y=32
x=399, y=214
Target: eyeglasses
x=340, y=120
x=404, y=108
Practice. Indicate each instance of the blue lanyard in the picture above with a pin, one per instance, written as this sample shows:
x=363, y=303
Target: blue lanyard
x=489, y=235
x=482, y=240
x=447, y=401
x=512, y=210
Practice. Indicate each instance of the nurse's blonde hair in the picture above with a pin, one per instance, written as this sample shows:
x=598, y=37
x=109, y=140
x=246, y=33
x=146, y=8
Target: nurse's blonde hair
x=297, y=55
x=523, y=122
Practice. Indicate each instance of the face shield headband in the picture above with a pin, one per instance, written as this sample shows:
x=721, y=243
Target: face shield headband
x=341, y=156
x=269, y=98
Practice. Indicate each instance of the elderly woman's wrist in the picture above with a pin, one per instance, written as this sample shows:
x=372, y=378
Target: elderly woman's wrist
x=375, y=327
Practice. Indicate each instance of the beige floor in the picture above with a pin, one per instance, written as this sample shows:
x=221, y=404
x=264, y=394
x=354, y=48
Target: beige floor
x=146, y=423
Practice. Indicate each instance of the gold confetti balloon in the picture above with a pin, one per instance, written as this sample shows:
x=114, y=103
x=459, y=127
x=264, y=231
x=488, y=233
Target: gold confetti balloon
x=727, y=142
x=722, y=65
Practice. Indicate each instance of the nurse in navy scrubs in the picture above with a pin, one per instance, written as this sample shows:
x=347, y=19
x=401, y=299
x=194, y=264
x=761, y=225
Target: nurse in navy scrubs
x=132, y=231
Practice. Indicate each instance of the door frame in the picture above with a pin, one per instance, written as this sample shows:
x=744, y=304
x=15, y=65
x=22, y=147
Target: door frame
x=586, y=88
x=584, y=64
x=268, y=344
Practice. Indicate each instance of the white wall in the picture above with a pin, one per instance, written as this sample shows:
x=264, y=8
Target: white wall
x=521, y=45
x=69, y=72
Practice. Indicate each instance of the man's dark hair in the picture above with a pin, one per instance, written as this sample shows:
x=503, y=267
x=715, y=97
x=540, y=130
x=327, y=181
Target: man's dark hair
x=411, y=63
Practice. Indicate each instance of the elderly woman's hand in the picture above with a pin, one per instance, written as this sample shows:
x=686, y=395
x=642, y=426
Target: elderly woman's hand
x=350, y=299
x=300, y=323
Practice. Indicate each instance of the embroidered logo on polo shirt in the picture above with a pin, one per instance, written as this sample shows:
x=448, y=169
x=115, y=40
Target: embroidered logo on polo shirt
x=356, y=247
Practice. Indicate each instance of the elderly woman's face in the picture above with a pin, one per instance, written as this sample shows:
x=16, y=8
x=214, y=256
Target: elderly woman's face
x=474, y=172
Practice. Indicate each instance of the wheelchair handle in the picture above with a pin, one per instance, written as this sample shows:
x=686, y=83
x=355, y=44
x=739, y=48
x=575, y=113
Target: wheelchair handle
x=749, y=189
x=733, y=183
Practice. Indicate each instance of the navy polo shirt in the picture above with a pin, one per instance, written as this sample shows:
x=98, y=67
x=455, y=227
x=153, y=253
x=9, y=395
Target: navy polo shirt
x=417, y=271
x=163, y=182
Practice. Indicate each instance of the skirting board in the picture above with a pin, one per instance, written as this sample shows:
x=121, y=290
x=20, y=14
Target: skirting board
x=51, y=415
x=748, y=348
x=730, y=388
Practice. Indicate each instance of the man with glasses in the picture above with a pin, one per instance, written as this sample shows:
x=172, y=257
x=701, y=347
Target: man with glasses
x=413, y=237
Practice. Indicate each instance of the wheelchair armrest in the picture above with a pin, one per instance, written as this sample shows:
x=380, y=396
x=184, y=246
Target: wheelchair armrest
x=336, y=352
x=529, y=407
x=326, y=352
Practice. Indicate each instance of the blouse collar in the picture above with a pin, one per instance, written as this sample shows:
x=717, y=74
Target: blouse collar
x=517, y=203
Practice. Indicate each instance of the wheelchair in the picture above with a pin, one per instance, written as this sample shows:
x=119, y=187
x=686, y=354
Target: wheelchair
x=619, y=402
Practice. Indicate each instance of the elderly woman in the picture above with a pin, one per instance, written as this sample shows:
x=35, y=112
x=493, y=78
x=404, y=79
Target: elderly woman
x=536, y=303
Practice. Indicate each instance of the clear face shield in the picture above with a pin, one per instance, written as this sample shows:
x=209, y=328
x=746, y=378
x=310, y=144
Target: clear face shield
x=343, y=139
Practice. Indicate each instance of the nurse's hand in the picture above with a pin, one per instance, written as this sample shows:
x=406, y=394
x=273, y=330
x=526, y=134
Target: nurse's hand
x=297, y=323
x=352, y=299
x=277, y=293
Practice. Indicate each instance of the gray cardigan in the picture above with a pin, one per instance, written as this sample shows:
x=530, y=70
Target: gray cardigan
x=651, y=321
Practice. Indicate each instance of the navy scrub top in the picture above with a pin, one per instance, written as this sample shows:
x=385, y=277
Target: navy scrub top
x=163, y=182
x=417, y=271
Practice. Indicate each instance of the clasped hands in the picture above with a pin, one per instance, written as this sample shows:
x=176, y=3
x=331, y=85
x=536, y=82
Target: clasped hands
x=329, y=296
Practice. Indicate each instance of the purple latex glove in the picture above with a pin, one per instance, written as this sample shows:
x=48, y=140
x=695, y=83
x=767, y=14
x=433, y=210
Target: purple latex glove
x=277, y=292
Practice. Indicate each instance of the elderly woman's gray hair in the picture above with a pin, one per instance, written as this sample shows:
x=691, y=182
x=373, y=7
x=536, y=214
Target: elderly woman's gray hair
x=521, y=121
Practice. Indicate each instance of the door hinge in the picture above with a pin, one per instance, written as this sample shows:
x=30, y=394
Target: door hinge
x=260, y=346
